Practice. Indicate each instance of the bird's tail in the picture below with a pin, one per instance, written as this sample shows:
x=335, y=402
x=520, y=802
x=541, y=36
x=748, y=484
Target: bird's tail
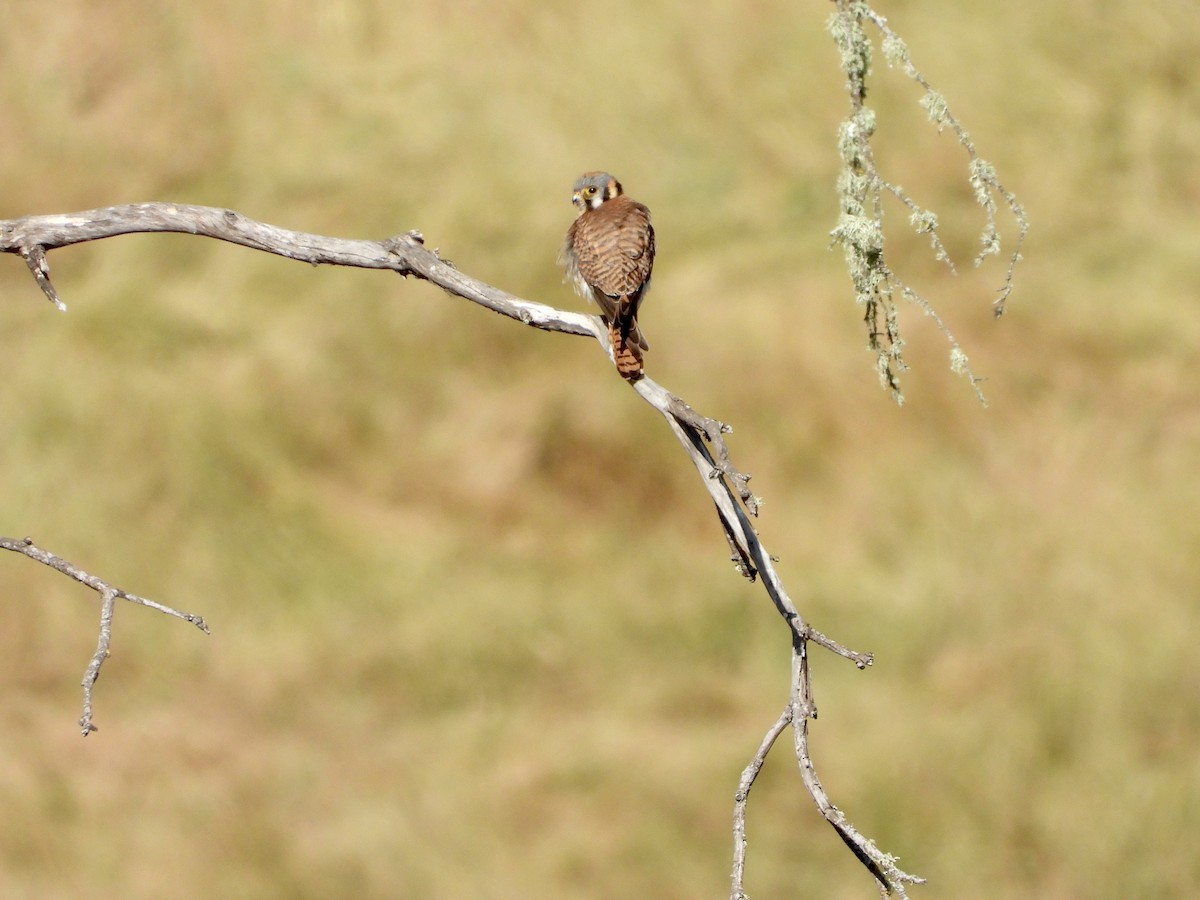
x=627, y=353
x=627, y=341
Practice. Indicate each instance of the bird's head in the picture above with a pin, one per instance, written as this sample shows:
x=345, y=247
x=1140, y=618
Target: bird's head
x=594, y=188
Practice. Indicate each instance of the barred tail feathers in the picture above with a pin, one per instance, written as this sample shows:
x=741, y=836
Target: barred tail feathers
x=626, y=353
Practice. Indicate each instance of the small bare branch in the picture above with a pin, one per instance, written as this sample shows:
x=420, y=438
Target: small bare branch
x=108, y=594
x=862, y=660
x=749, y=774
x=712, y=432
x=108, y=601
x=35, y=257
x=46, y=558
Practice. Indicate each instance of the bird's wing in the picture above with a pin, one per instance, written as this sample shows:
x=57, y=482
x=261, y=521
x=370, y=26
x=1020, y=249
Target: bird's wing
x=614, y=249
x=609, y=256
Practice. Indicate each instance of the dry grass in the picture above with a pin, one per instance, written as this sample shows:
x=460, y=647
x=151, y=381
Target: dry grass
x=461, y=647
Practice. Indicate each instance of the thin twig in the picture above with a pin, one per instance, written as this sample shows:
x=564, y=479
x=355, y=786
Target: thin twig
x=35, y=257
x=862, y=660
x=108, y=602
x=749, y=774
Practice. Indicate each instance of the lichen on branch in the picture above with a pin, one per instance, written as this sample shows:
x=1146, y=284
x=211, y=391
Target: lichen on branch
x=861, y=189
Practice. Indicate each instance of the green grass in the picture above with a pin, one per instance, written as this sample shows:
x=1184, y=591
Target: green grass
x=463, y=646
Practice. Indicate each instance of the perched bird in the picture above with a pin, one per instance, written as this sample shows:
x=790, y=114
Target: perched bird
x=609, y=255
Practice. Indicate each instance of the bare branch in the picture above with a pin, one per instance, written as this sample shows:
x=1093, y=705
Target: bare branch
x=108, y=594
x=701, y=437
x=35, y=257
x=749, y=774
x=889, y=876
x=32, y=236
x=862, y=660
x=108, y=602
x=745, y=539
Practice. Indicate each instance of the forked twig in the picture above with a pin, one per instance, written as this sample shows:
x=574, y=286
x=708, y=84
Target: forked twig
x=109, y=594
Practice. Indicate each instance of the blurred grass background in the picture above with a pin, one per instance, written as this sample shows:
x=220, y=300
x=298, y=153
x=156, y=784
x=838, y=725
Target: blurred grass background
x=461, y=646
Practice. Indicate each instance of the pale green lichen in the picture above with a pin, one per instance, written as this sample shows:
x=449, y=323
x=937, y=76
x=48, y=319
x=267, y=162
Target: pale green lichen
x=936, y=108
x=861, y=189
x=895, y=51
x=958, y=361
x=982, y=176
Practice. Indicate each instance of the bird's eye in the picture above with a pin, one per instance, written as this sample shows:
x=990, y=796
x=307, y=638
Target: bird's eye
x=589, y=190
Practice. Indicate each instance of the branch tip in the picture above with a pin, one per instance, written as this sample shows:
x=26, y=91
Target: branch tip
x=35, y=258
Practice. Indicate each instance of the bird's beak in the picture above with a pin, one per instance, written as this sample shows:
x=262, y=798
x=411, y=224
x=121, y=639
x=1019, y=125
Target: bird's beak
x=577, y=199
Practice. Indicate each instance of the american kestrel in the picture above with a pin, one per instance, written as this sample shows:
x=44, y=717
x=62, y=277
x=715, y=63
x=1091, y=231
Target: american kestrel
x=609, y=255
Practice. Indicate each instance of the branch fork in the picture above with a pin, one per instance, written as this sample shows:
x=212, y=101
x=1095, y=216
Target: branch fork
x=109, y=594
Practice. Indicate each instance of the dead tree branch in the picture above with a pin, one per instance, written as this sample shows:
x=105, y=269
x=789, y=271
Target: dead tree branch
x=701, y=437
x=109, y=594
